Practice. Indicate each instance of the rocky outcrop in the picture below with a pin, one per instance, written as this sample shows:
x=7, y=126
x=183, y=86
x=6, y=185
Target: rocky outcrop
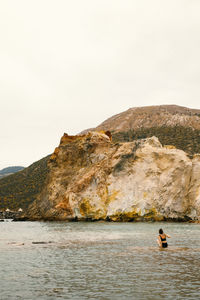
x=91, y=178
x=14, y=215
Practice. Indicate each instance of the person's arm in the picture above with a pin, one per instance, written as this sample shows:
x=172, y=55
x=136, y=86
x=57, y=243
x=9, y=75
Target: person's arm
x=167, y=235
x=159, y=241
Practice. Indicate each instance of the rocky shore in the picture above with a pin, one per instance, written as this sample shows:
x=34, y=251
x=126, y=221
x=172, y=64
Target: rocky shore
x=12, y=215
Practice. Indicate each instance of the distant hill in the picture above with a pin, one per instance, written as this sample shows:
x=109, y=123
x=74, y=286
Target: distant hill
x=10, y=170
x=20, y=189
x=173, y=125
x=152, y=116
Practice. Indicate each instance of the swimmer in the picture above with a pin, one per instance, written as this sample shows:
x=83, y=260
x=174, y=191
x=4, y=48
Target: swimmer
x=162, y=242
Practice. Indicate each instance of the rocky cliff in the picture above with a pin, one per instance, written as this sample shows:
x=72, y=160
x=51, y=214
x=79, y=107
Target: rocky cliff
x=171, y=124
x=92, y=178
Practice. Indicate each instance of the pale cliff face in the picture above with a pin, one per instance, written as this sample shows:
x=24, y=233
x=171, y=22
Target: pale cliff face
x=92, y=178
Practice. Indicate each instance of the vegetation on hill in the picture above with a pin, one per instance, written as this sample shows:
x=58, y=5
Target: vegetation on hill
x=20, y=189
x=184, y=138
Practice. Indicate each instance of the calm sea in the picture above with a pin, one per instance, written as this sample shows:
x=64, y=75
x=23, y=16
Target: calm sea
x=57, y=260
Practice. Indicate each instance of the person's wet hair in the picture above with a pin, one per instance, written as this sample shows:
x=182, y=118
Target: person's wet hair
x=160, y=231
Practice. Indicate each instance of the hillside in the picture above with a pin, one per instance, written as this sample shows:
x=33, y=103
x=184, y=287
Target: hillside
x=152, y=116
x=184, y=138
x=20, y=189
x=10, y=170
x=172, y=124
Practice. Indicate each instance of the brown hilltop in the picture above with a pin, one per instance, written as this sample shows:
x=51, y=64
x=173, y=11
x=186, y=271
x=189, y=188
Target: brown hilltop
x=152, y=116
x=172, y=124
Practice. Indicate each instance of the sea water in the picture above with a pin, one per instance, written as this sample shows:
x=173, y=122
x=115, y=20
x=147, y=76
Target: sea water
x=98, y=260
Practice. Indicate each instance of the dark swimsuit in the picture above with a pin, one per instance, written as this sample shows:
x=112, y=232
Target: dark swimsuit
x=164, y=245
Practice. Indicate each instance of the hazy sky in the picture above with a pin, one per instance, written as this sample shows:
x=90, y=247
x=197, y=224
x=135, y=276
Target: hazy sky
x=67, y=65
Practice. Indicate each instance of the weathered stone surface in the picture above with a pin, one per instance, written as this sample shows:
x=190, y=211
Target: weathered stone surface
x=194, y=189
x=92, y=178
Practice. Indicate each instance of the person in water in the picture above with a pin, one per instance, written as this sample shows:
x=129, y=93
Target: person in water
x=162, y=242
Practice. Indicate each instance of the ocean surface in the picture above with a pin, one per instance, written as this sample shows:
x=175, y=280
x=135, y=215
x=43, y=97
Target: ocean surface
x=58, y=260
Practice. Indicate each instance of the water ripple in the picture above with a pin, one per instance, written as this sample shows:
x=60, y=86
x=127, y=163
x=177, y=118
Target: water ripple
x=98, y=261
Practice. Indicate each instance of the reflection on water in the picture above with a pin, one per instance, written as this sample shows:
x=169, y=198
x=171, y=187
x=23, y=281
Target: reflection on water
x=98, y=261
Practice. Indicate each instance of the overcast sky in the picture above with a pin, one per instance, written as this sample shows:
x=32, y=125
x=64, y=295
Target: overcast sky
x=67, y=65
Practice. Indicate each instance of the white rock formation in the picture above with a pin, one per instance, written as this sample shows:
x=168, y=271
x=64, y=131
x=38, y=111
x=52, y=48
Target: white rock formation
x=92, y=178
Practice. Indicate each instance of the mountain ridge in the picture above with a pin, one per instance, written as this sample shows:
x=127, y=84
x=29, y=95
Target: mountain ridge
x=10, y=170
x=151, y=116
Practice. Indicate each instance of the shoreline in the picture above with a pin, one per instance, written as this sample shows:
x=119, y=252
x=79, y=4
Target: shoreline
x=84, y=220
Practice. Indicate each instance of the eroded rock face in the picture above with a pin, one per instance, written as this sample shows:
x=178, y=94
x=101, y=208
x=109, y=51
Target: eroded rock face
x=92, y=178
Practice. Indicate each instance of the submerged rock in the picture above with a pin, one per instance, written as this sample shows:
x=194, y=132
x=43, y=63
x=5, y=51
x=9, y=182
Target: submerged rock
x=42, y=243
x=92, y=178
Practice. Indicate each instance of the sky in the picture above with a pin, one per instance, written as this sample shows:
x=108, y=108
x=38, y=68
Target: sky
x=66, y=66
